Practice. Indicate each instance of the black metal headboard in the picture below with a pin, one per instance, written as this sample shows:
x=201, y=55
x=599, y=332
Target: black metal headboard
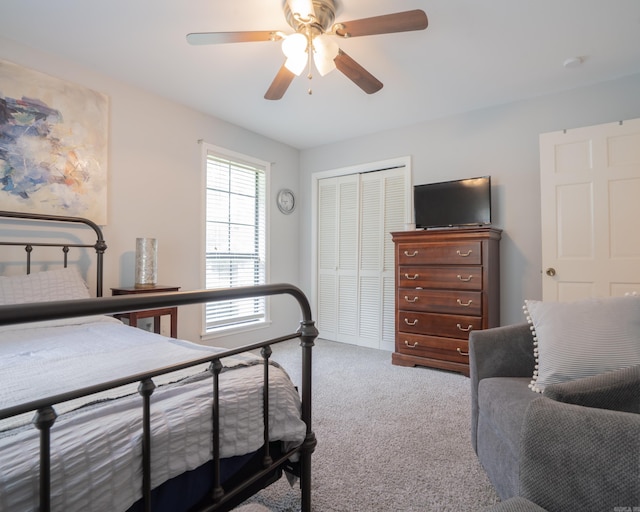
x=100, y=246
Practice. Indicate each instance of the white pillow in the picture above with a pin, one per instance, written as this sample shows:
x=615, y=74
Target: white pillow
x=583, y=338
x=50, y=285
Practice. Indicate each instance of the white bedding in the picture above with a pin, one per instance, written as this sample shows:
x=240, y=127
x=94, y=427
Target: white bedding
x=96, y=465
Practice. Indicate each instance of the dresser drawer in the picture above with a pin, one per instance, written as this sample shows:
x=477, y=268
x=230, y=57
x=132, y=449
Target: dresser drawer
x=453, y=253
x=449, y=326
x=440, y=301
x=456, y=278
x=434, y=347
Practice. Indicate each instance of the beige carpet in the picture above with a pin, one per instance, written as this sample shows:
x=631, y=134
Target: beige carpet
x=390, y=438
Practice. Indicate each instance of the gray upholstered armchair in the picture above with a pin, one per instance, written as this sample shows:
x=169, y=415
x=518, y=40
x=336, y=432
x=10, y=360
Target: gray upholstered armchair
x=575, y=447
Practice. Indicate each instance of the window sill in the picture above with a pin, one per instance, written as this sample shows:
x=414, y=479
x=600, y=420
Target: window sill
x=230, y=331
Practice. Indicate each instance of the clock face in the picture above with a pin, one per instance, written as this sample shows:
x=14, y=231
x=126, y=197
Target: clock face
x=286, y=201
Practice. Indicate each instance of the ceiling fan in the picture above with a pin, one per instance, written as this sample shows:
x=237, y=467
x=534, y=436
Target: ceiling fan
x=312, y=41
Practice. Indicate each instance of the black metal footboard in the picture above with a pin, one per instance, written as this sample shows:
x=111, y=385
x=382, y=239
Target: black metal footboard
x=221, y=499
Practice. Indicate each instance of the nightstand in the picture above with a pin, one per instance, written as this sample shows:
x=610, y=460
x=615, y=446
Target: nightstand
x=156, y=314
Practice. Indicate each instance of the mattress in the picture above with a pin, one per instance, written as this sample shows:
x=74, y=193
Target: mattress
x=96, y=442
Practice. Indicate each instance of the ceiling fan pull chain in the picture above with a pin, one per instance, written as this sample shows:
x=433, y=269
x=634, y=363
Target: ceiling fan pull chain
x=309, y=57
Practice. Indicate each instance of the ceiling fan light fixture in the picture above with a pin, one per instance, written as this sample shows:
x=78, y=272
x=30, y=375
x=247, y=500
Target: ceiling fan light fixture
x=295, y=49
x=325, y=50
x=294, y=44
x=296, y=64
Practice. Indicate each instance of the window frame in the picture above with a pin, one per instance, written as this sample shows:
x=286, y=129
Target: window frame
x=242, y=160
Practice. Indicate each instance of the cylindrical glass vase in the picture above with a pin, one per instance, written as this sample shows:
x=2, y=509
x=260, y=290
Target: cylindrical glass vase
x=146, y=262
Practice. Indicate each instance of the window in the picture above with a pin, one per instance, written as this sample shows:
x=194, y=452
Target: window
x=235, y=237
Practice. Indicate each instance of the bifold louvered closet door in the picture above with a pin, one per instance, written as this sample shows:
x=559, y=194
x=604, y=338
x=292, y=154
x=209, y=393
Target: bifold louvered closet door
x=356, y=285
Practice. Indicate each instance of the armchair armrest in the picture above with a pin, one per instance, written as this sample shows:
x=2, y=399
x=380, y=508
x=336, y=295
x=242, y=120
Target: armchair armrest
x=498, y=352
x=501, y=352
x=617, y=390
x=579, y=458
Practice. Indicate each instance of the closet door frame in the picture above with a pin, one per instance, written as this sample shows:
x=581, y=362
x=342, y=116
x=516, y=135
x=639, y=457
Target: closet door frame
x=357, y=169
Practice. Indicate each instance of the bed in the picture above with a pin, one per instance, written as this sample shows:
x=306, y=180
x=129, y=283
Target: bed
x=97, y=415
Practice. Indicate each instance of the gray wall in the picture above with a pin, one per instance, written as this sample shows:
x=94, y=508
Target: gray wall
x=501, y=141
x=155, y=180
x=155, y=188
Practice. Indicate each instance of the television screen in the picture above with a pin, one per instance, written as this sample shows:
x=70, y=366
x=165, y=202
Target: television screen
x=453, y=203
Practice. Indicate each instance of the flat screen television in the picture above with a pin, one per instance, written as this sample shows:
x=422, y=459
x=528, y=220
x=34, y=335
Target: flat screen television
x=453, y=203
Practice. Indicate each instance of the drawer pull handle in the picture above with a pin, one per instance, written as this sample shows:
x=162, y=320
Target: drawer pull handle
x=415, y=344
x=461, y=352
x=463, y=329
x=415, y=276
x=468, y=253
x=465, y=279
x=415, y=299
x=464, y=305
x=412, y=255
x=412, y=323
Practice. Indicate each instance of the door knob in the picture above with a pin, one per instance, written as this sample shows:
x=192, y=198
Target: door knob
x=550, y=272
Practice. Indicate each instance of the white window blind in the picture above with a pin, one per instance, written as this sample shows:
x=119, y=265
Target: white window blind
x=235, y=238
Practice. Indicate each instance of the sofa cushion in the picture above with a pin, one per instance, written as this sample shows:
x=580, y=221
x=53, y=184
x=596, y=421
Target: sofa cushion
x=583, y=338
x=503, y=402
x=502, y=406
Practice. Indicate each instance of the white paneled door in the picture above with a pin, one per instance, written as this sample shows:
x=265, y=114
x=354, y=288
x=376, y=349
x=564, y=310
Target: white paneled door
x=590, y=198
x=356, y=214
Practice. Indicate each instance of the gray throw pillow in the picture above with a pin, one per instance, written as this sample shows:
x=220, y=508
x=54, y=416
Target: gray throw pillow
x=583, y=338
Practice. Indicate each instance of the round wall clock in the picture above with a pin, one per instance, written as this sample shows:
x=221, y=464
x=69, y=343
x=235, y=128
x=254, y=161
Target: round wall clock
x=286, y=201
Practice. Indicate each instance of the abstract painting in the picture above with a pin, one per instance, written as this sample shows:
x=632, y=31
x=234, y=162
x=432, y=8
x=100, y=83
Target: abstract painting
x=53, y=145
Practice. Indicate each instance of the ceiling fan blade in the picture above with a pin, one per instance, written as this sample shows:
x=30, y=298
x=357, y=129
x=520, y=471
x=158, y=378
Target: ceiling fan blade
x=198, y=38
x=385, y=24
x=280, y=84
x=357, y=74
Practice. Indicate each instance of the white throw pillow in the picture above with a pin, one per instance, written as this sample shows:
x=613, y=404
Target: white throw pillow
x=583, y=338
x=49, y=285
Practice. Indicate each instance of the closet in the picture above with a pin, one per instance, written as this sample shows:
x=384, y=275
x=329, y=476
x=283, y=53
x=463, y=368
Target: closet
x=355, y=255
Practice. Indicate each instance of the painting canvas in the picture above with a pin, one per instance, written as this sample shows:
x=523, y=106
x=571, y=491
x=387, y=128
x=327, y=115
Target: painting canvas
x=53, y=145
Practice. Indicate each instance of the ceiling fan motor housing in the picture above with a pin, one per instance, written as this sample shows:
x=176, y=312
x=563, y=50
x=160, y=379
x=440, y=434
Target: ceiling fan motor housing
x=325, y=14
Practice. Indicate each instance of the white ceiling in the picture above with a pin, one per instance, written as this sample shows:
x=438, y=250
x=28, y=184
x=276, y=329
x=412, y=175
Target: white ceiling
x=474, y=54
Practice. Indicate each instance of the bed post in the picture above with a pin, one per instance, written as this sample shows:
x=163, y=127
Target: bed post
x=266, y=354
x=308, y=334
x=217, y=492
x=100, y=246
x=145, y=389
x=44, y=420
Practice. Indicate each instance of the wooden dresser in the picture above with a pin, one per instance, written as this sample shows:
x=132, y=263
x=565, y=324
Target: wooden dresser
x=447, y=284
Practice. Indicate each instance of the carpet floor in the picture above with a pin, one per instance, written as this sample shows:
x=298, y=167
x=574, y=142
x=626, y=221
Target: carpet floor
x=390, y=438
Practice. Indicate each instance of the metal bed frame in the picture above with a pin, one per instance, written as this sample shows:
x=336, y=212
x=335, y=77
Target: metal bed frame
x=100, y=246
x=45, y=415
